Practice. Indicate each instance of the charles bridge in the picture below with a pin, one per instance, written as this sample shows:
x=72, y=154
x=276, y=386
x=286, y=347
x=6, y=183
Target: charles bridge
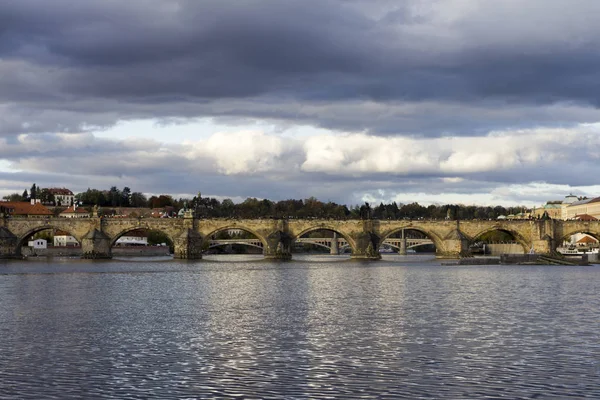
x=190, y=235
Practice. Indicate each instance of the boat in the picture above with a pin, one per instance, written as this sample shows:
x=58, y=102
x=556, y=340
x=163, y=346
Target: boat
x=574, y=251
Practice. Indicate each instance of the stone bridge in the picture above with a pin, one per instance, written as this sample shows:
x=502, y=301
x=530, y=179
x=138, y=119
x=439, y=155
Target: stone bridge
x=337, y=245
x=334, y=244
x=191, y=235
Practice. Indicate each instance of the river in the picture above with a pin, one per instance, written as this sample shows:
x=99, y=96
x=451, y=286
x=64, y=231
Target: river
x=317, y=327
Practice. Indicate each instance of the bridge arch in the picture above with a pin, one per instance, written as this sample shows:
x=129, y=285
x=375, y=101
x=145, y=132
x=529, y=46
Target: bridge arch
x=207, y=238
x=22, y=239
x=147, y=228
x=348, y=238
x=435, y=238
x=518, y=237
x=583, y=230
x=579, y=229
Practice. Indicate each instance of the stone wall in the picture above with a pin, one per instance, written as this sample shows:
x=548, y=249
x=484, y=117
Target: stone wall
x=497, y=249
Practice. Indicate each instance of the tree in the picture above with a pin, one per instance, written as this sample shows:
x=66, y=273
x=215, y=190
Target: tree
x=313, y=208
x=367, y=210
x=249, y=208
x=125, y=199
x=45, y=196
x=158, y=237
x=25, y=196
x=161, y=201
x=114, y=196
x=227, y=208
x=13, y=197
x=33, y=192
x=138, y=200
x=92, y=197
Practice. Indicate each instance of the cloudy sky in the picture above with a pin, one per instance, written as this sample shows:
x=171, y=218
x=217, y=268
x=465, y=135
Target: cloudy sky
x=436, y=101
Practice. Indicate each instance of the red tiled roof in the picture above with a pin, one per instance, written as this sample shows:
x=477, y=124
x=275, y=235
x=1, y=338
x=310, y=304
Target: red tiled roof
x=587, y=239
x=61, y=191
x=24, y=208
x=585, y=217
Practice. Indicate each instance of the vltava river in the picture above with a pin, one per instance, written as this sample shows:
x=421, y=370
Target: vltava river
x=312, y=328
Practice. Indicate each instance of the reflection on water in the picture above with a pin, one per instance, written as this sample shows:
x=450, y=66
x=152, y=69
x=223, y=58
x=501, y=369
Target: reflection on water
x=317, y=327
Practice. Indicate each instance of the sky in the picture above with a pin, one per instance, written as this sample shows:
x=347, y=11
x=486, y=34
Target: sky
x=435, y=101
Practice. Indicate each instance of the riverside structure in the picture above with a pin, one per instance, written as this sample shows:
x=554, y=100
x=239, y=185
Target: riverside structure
x=190, y=235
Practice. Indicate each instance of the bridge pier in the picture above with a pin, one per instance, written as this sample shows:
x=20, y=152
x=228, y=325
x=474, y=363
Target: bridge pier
x=367, y=245
x=8, y=244
x=96, y=245
x=402, y=250
x=188, y=246
x=278, y=247
x=544, y=246
x=456, y=245
x=335, y=246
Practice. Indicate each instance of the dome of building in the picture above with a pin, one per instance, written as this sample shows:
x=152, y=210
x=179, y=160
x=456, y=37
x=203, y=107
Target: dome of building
x=571, y=198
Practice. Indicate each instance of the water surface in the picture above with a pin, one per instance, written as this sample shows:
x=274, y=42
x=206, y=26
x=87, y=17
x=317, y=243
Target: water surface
x=317, y=327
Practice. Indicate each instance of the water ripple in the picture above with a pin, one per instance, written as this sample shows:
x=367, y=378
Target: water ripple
x=308, y=329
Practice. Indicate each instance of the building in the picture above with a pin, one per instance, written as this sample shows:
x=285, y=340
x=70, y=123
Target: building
x=585, y=217
x=38, y=244
x=62, y=196
x=581, y=240
x=24, y=209
x=552, y=209
x=136, y=237
x=75, y=212
x=572, y=207
x=590, y=207
x=569, y=200
x=164, y=212
x=63, y=239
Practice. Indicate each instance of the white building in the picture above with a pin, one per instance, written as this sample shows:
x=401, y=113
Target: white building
x=38, y=244
x=133, y=238
x=583, y=239
x=62, y=197
x=75, y=212
x=583, y=207
x=63, y=239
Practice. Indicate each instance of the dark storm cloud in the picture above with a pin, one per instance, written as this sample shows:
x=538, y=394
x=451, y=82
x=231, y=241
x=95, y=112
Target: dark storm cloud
x=67, y=65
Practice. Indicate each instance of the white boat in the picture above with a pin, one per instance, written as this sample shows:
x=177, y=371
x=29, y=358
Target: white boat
x=574, y=251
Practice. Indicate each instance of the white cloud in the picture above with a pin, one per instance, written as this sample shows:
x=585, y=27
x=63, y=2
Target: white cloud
x=503, y=166
x=362, y=154
x=532, y=194
x=242, y=152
